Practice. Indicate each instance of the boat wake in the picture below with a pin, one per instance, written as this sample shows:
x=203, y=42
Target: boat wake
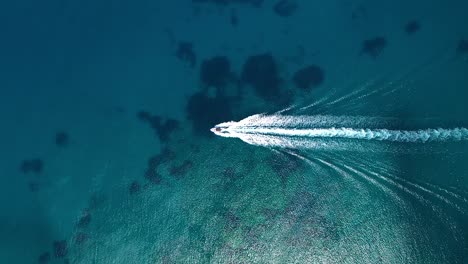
x=316, y=132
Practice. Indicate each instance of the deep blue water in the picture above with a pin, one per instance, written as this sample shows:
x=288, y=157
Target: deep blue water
x=107, y=157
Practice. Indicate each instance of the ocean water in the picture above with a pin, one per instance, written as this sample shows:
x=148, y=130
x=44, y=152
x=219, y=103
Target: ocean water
x=107, y=156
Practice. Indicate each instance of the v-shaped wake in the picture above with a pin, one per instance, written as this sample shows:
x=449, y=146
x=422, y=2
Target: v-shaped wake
x=307, y=131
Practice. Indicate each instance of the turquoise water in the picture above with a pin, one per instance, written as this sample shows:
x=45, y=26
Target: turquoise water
x=107, y=155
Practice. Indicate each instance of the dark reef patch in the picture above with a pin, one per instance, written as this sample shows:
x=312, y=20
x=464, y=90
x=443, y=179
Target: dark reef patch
x=163, y=157
x=162, y=128
x=134, y=187
x=205, y=112
x=153, y=176
x=462, y=47
x=412, y=27
x=84, y=220
x=232, y=221
x=81, y=238
x=359, y=12
x=308, y=77
x=62, y=139
x=151, y=172
x=185, y=53
x=215, y=72
x=284, y=165
x=167, y=154
x=60, y=248
x=234, y=20
x=44, y=258
x=144, y=116
x=33, y=186
x=374, y=47
x=261, y=72
x=181, y=170
x=96, y=200
x=32, y=165
x=285, y=8
x=302, y=213
x=154, y=161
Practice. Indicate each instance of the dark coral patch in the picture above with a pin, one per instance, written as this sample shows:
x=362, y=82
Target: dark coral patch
x=261, y=72
x=44, y=258
x=285, y=8
x=462, y=47
x=96, y=200
x=310, y=76
x=134, y=187
x=374, y=47
x=165, y=156
x=154, y=161
x=144, y=116
x=185, y=53
x=181, y=170
x=232, y=221
x=215, y=72
x=166, y=129
x=32, y=165
x=84, y=220
x=33, y=186
x=162, y=128
x=81, y=238
x=284, y=165
x=60, y=248
x=205, y=112
x=412, y=27
x=153, y=176
x=61, y=139
x=234, y=19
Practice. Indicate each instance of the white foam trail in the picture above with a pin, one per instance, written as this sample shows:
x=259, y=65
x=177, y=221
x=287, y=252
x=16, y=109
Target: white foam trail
x=311, y=131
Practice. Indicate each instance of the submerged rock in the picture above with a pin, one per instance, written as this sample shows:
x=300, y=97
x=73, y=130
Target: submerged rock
x=134, y=187
x=234, y=18
x=158, y=159
x=161, y=127
x=205, y=112
x=412, y=27
x=33, y=186
x=285, y=8
x=32, y=165
x=181, y=170
x=284, y=165
x=144, y=116
x=61, y=139
x=308, y=77
x=81, y=238
x=44, y=258
x=374, y=47
x=60, y=248
x=462, y=47
x=153, y=176
x=215, y=72
x=261, y=72
x=185, y=53
x=84, y=220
